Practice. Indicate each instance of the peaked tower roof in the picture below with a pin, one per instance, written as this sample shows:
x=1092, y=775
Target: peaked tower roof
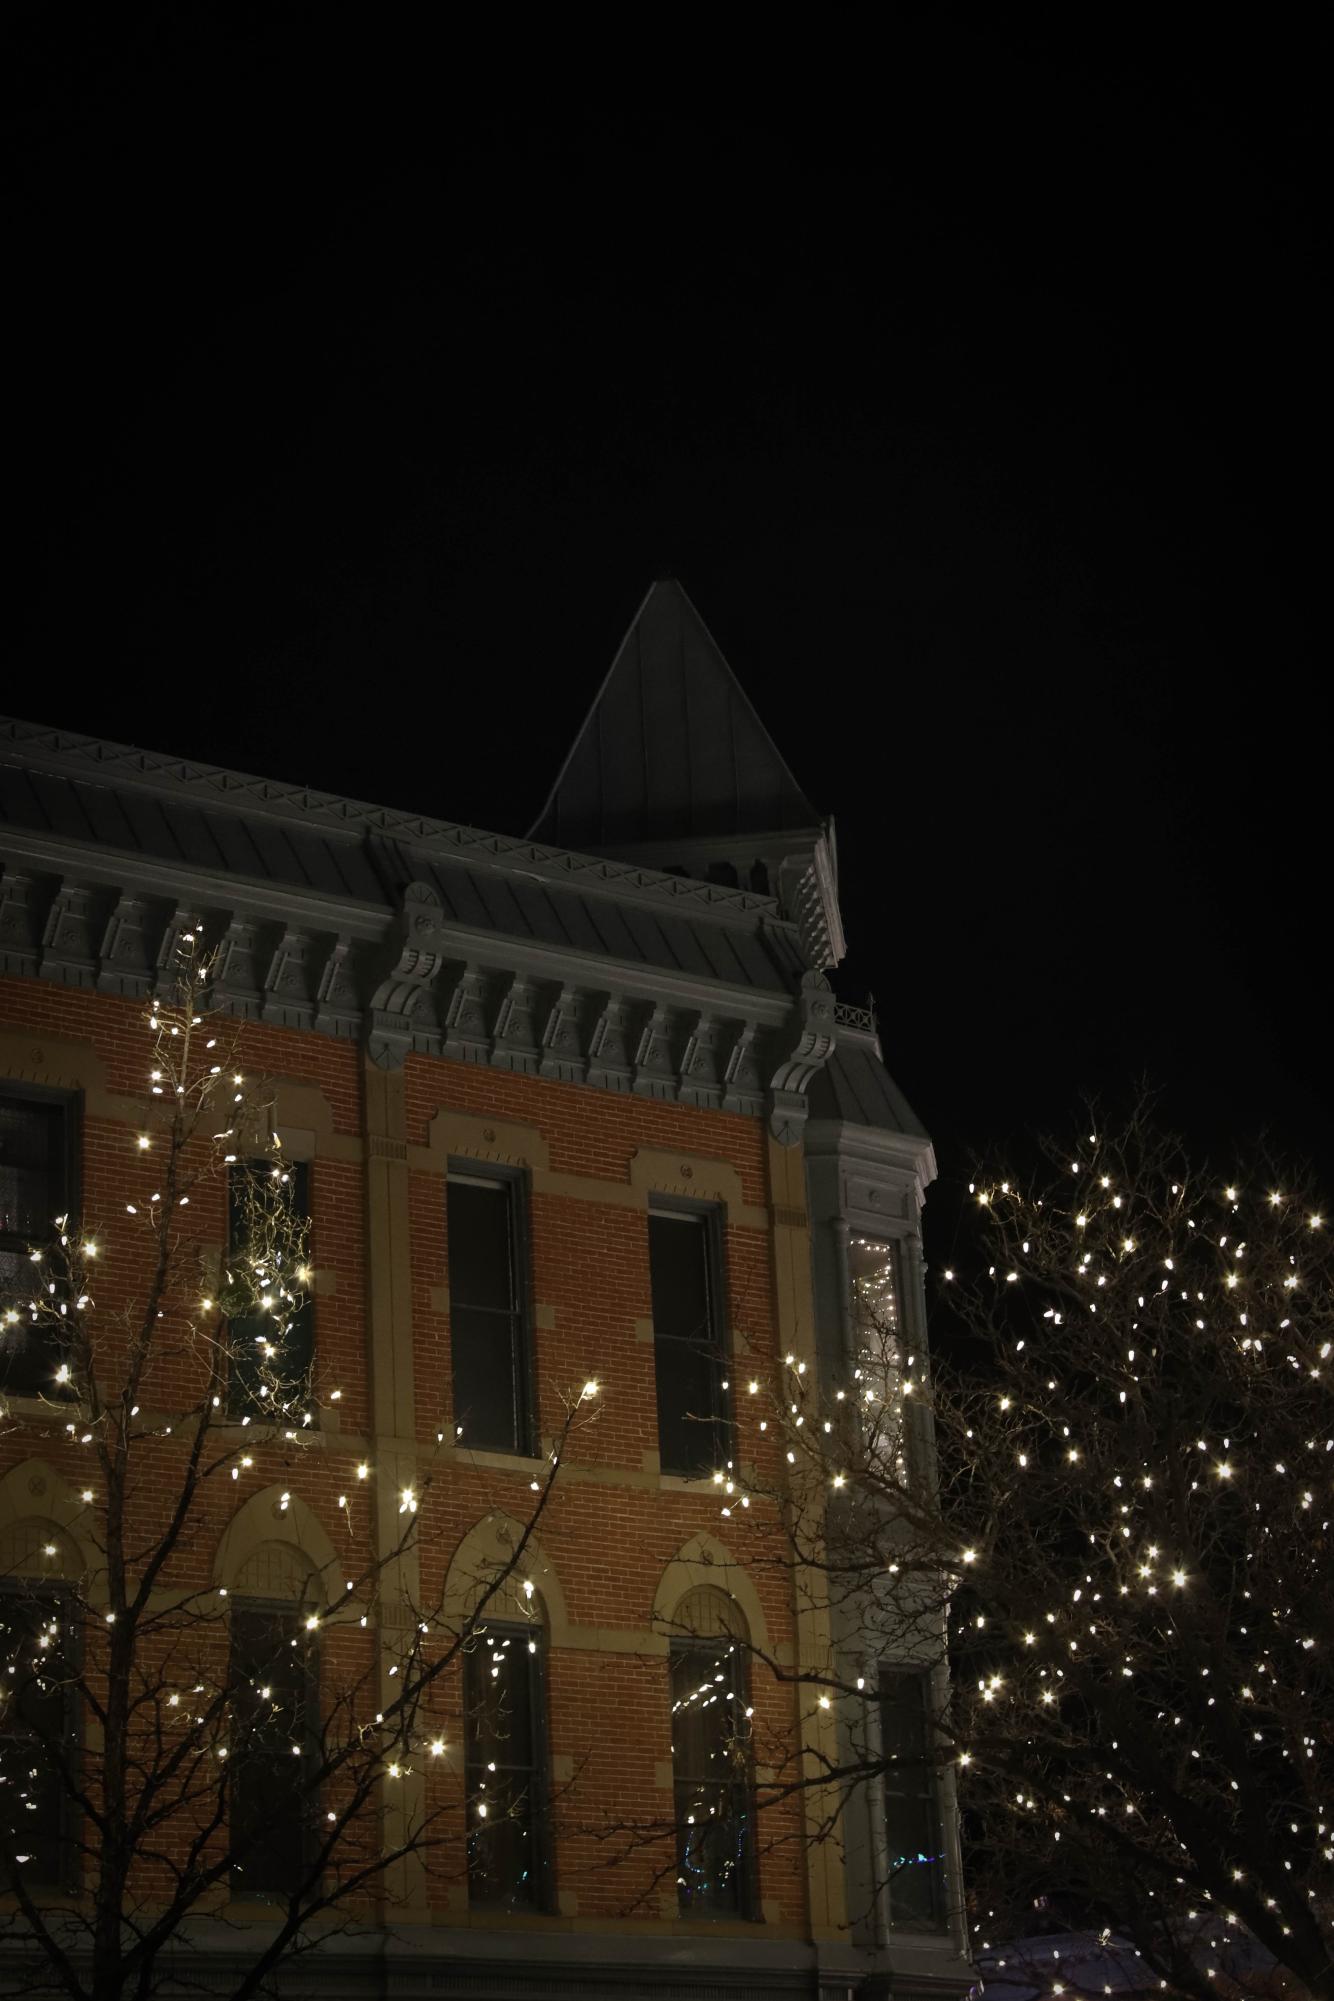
x=671, y=748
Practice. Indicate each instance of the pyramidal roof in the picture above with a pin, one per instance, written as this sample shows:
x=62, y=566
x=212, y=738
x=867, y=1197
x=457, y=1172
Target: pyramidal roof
x=671, y=748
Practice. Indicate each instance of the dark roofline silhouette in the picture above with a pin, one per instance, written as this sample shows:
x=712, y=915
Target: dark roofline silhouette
x=671, y=747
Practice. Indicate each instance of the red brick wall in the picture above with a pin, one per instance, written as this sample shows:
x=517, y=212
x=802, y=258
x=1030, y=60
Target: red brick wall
x=608, y=1540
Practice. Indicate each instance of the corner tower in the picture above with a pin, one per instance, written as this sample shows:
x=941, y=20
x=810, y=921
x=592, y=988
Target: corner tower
x=673, y=769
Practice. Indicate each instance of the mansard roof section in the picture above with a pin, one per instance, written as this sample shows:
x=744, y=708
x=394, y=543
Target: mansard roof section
x=671, y=748
x=854, y=1088
x=207, y=823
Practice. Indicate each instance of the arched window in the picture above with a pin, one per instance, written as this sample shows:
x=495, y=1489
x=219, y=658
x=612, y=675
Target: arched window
x=274, y=1734
x=39, y=1717
x=505, y=1760
x=714, y=1808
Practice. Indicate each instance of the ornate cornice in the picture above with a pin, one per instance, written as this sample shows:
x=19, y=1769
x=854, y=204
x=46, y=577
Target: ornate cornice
x=116, y=763
x=423, y=986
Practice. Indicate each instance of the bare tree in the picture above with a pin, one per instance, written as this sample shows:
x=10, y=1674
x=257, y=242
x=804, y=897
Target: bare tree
x=1110, y=1516
x=161, y=1750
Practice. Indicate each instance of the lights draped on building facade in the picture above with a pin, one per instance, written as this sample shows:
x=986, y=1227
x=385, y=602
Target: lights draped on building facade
x=571, y=1121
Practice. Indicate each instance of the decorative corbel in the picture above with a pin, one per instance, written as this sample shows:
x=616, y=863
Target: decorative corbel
x=167, y=973
x=743, y=1078
x=18, y=932
x=562, y=1041
x=700, y=1082
x=655, y=1071
x=287, y=996
x=811, y=1050
x=236, y=984
x=609, y=1062
x=338, y=1004
x=402, y=1005
x=125, y=962
x=67, y=940
x=467, y=1036
x=516, y=1046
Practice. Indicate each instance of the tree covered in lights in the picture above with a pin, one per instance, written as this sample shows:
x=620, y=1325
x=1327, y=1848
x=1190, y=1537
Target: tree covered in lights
x=1110, y=1513
x=164, y=1752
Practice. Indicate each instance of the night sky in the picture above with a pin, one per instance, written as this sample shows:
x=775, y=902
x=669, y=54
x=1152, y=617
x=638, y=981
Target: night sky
x=973, y=386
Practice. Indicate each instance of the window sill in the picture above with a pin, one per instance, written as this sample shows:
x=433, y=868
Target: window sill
x=39, y=1406
x=687, y=1483
x=497, y=1462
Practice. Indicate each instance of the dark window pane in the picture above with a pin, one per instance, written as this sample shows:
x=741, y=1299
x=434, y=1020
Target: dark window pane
x=271, y=1356
x=273, y=1709
x=913, y=1824
x=38, y=1736
x=710, y=1741
x=687, y=1354
x=32, y=1169
x=915, y=1861
x=679, y=1273
x=504, y=1770
x=34, y=1139
x=688, y=1433
x=486, y=1322
x=480, y=1258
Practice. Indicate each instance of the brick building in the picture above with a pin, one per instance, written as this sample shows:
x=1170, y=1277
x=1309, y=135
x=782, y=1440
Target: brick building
x=575, y=1105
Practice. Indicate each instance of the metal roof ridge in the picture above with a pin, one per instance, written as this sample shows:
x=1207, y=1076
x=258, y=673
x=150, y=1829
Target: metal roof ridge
x=72, y=754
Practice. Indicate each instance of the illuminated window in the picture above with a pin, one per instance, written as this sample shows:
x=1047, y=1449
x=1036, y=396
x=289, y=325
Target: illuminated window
x=713, y=1805
x=272, y=1349
x=488, y=1312
x=887, y=1419
x=688, y=1350
x=36, y=1186
x=875, y=1295
x=505, y=1769
x=912, y=1807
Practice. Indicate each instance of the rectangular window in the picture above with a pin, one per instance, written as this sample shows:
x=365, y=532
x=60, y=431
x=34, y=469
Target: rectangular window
x=890, y=1424
x=271, y=1354
x=273, y=1688
x=710, y=1770
x=38, y=1737
x=488, y=1313
x=36, y=1186
x=688, y=1353
x=913, y=1823
x=505, y=1770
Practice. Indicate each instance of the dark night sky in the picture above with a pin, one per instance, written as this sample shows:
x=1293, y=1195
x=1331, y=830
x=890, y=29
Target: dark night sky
x=970, y=385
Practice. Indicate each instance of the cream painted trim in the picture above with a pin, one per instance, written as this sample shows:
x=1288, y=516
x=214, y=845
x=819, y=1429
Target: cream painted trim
x=60, y=1063
x=498, y=1141
x=520, y=1464
x=303, y=1119
x=488, y=1546
x=704, y=1561
x=617, y=1640
x=263, y=1519
x=34, y=1491
x=696, y=1177
x=504, y=1143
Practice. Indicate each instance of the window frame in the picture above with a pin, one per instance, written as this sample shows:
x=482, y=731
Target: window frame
x=242, y=1890
x=54, y=1595
x=712, y=1219
x=927, y=1792
x=515, y=1182
x=542, y=1847
x=69, y=1105
x=702, y=1647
